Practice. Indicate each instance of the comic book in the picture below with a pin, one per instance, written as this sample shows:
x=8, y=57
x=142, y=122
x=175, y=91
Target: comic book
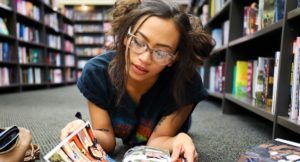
x=278, y=150
x=81, y=145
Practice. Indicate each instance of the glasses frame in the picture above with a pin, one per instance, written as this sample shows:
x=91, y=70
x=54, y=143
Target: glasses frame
x=172, y=56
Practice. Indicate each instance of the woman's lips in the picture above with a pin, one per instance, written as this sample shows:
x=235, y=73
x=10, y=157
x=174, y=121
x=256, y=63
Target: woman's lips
x=139, y=69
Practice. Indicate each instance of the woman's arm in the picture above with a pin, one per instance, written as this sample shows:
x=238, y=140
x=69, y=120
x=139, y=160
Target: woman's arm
x=102, y=127
x=165, y=135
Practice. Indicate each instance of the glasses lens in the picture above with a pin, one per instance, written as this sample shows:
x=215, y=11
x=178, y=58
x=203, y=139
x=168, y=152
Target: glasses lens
x=137, y=45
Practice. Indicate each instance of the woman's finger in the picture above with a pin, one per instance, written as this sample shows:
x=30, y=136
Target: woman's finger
x=176, y=153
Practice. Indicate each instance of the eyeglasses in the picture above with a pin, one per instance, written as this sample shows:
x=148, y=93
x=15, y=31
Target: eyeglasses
x=139, y=46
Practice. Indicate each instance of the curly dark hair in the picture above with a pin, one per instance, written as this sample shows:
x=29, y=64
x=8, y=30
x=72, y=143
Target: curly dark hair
x=194, y=44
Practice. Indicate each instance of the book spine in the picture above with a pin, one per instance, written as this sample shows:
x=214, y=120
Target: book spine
x=274, y=96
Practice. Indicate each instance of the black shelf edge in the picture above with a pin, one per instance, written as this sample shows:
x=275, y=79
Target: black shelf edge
x=22, y=42
x=72, y=67
x=215, y=94
x=24, y=17
x=55, y=67
x=5, y=8
x=290, y=124
x=67, y=20
x=90, y=33
x=15, y=85
x=48, y=7
x=294, y=13
x=68, y=37
x=86, y=57
x=33, y=64
x=222, y=12
x=8, y=37
x=8, y=63
x=33, y=84
x=50, y=29
x=93, y=45
x=247, y=103
x=56, y=84
x=69, y=53
x=218, y=50
x=88, y=21
x=71, y=82
x=257, y=34
x=54, y=49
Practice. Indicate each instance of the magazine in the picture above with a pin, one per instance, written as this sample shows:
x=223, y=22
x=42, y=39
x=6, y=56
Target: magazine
x=81, y=145
x=277, y=150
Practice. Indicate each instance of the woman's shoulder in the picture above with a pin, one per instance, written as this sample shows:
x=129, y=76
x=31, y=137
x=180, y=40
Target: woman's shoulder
x=101, y=61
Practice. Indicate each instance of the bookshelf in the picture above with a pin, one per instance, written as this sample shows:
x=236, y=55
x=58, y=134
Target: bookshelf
x=25, y=62
x=90, y=25
x=265, y=42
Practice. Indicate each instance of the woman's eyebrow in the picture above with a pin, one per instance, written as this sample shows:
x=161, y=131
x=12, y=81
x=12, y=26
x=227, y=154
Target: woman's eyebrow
x=159, y=44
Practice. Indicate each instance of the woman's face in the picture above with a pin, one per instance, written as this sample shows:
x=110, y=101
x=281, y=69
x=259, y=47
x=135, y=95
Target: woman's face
x=161, y=37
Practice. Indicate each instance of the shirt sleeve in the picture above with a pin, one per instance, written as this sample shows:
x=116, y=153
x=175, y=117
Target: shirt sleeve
x=195, y=92
x=93, y=83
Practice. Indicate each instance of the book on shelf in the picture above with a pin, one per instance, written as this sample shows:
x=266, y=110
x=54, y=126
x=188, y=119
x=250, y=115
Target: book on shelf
x=4, y=51
x=275, y=151
x=5, y=78
x=241, y=78
x=3, y=27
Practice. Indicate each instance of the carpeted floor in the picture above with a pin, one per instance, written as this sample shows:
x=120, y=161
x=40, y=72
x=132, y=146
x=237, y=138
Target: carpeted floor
x=218, y=137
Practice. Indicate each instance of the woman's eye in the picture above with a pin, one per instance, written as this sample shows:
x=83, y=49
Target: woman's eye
x=139, y=42
x=160, y=54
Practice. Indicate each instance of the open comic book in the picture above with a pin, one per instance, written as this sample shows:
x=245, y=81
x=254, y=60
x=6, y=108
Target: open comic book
x=80, y=146
x=278, y=150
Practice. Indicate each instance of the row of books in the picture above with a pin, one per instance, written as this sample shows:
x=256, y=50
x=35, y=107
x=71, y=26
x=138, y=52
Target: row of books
x=54, y=41
x=30, y=55
x=51, y=19
x=88, y=16
x=3, y=27
x=217, y=78
x=31, y=75
x=221, y=35
x=68, y=29
x=5, y=76
x=26, y=33
x=68, y=12
x=68, y=46
x=89, y=51
x=52, y=3
x=4, y=51
x=261, y=15
x=70, y=75
x=55, y=76
x=70, y=60
x=88, y=28
x=54, y=58
x=257, y=79
x=89, y=40
x=295, y=81
x=27, y=8
x=215, y=6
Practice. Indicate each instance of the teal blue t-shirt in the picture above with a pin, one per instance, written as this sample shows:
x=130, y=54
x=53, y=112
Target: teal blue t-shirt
x=131, y=122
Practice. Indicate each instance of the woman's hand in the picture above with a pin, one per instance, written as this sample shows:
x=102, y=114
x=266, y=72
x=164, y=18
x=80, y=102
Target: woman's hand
x=183, y=147
x=70, y=127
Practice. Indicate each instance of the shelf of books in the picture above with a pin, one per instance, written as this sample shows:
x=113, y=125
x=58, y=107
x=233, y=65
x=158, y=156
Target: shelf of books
x=261, y=76
x=91, y=25
x=32, y=35
x=214, y=16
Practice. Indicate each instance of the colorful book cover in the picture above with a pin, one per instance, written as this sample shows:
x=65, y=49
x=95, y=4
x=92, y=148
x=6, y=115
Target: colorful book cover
x=275, y=151
x=268, y=13
x=80, y=145
x=3, y=27
x=241, y=78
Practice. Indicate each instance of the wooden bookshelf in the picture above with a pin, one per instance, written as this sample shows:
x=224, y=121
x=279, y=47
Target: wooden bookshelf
x=90, y=24
x=42, y=68
x=278, y=36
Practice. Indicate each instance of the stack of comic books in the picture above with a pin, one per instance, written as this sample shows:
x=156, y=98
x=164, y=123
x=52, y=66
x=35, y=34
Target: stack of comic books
x=279, y=150
x=80, y=146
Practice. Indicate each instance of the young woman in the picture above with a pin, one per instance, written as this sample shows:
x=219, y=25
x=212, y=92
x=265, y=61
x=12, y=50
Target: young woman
x=145, y=91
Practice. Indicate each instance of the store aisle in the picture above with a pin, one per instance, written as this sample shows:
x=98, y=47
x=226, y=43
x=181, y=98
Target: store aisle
x=218, y=137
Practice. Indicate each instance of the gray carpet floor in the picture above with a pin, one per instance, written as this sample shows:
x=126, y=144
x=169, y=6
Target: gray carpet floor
x=218, y=137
